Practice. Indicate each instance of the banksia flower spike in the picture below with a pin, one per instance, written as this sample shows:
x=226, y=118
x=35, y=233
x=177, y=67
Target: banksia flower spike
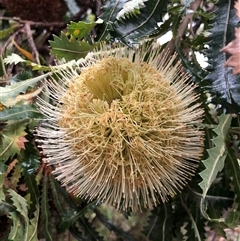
x=124, y=131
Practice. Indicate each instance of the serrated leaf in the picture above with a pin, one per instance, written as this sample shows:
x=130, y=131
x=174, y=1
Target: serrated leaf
x=217, y=155
x=45, y=211
x=131, y=7
x=218, y=227
x=32, y=234
x=57, y=196
x=81, y=29
x=29, y=158
x=193, y=221
x=126, y=236
x=233, y=218
x=16, y=59
x=134, y=27
x=15, y=176
x=10, y=138
x=20, y=111
x=72, y=216
x=32, y=189
x=19, y=203
x=223, y=86
x=62, y=47
x=3, y=169
x=21, y=206
x=159, y=224
x=17, y=229
x=88, y=234
x=12, y=91
x=234, y=173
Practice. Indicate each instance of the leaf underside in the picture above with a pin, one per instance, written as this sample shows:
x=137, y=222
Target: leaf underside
x=220, y=82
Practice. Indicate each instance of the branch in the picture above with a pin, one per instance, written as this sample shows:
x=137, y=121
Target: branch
x=175, y=41
x=34, y=24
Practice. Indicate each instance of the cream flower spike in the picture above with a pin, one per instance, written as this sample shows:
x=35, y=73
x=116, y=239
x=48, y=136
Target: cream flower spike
x=124, y=131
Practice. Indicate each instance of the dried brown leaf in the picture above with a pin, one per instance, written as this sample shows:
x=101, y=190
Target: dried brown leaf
x=233, y=48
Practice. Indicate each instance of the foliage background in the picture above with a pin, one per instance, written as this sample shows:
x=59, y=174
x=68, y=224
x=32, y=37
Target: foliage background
x=33, y=205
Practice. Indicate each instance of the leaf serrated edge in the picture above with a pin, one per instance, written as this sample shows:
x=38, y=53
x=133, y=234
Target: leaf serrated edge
x=21, y=207
x=221, y=131
x=45, y=210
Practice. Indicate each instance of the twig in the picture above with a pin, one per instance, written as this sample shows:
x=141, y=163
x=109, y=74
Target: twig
x=31, y=42
x=175, y=41
x=35, y=24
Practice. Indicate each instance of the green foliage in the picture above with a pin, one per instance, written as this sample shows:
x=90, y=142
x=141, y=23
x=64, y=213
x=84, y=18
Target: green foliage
x=76, y=46
x=16, y=59
x=20, y=111
x=62, y=47
x=13, y=138
x=6, y=32
x=160, y=219
x=45, y=214
x=217, y=156
x=34, y=205
x=22, y=229
x=80, y=30
x=12, y=91
x=136, y=26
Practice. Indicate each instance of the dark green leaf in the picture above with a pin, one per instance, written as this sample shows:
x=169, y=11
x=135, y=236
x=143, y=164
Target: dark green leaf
x=221, y=83
x=29, y=157
x=72, y=216
x=117, y=230
x=193, y=220
x=32, y=189
x=135, y=27
x=45, y=211
x=160, y=223
x=233, y=170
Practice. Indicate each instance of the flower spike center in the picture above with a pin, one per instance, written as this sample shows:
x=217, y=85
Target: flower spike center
x=125, y=131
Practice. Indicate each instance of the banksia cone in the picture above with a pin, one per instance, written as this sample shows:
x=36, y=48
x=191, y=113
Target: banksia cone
x=124, y=131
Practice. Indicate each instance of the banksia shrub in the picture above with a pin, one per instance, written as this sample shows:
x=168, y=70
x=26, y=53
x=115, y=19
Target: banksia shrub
x=125, y=131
